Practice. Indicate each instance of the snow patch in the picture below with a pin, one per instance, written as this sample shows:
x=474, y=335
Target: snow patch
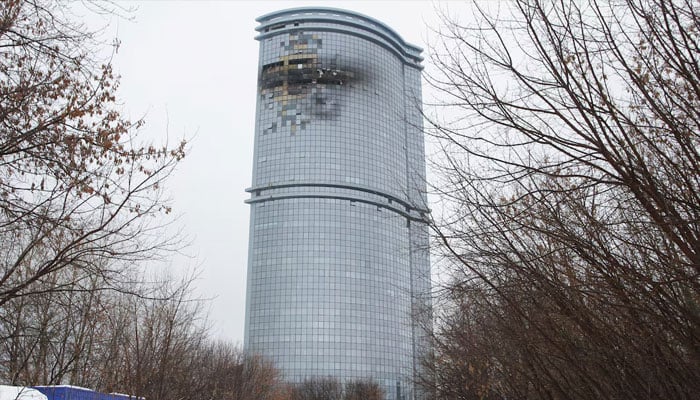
x=20, y=393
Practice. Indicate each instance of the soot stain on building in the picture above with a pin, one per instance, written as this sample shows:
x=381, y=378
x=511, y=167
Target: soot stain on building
x=301, y=85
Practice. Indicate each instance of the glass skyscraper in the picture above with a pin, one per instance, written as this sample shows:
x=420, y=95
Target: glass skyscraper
x=338, y=260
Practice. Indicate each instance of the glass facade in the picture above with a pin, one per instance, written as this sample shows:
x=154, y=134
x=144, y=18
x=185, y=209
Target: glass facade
x=338, y=261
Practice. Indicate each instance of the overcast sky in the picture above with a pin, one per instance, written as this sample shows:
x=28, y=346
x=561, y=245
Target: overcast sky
x=190, y=67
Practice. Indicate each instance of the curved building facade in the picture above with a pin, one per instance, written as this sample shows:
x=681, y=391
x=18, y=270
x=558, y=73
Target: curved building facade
x=338, y=261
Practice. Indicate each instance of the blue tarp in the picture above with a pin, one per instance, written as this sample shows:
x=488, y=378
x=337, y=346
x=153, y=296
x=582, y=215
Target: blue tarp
x=77, y=393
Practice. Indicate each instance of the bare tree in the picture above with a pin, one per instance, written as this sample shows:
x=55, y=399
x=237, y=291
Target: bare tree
x=362, y=390
x=329, y=388
x=231, y=374
x=49, y=338
x=326, y=388
x=81, y=205
x=76, y=187
x=154, y=347
x=571, y=188
x=81, y=199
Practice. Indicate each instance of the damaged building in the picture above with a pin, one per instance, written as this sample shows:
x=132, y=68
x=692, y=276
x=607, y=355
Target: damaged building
x=338, y=258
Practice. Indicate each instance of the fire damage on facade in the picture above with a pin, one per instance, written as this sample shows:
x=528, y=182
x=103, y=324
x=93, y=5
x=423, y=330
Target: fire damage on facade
x=300, y=85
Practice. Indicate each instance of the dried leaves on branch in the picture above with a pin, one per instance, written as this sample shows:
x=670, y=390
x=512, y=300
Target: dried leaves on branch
x=80, y=204
x=76, y=184
x=571, y=184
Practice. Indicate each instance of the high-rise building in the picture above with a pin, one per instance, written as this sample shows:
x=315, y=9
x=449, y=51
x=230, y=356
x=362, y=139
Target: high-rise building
x=338, y=260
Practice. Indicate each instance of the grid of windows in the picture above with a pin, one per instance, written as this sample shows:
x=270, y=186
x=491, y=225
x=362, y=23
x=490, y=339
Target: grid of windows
x=331, y=287
x=337, y=253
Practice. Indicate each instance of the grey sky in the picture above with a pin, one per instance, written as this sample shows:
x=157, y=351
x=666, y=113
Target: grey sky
x=191, y=68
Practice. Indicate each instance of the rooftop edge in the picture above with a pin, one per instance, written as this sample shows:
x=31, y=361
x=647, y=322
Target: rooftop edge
x=334, y=14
